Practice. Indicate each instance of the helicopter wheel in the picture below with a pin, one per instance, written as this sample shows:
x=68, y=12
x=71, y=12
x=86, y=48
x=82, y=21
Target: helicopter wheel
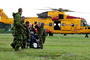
x=65, y=34
x=86, y=36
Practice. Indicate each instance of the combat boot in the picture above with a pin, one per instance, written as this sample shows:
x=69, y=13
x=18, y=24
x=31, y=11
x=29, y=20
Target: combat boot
x=13, y=46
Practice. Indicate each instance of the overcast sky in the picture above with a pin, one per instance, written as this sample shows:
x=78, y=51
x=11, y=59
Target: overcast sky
x=30, y=7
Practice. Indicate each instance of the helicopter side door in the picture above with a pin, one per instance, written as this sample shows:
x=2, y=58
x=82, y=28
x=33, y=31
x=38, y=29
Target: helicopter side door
x=65, y=25
x=57, y=25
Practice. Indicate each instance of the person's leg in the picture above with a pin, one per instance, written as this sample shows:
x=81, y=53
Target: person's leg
x=23, y=45
x=13, y=43
x=17, y=42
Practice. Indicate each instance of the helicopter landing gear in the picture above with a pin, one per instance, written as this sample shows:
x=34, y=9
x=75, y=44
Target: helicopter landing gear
x=65, y=34
x=86, y=36
x=50, y=34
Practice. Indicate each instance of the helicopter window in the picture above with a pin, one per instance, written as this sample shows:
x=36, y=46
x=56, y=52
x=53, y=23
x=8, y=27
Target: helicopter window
x=83, y=24
x=72, y=25
x=61, y=16
x=63, y=24
x=88, y=27
x=59, y=24
x=54, y=24
x=50, y=24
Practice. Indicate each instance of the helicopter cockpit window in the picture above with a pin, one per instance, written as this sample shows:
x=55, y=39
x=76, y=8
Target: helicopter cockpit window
x=61, y=16
x=83, y=23
x=43, y=15
x=72, y=25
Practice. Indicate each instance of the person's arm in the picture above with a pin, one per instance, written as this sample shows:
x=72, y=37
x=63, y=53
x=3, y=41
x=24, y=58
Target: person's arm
x=28, y=32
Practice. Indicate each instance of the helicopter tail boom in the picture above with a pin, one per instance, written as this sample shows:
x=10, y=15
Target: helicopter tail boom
x=4, y=18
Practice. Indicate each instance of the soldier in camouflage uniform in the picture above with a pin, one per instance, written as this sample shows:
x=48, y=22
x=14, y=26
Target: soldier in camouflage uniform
x=41, y=34
x=44, y=34
x=27, y=34
x=18, y=30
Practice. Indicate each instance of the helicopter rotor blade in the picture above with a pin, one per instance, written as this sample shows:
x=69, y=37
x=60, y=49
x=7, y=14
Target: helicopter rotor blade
x=51, y=8
x=68, y=11
x=63, y=10
x=81, y=12
x=43, y=9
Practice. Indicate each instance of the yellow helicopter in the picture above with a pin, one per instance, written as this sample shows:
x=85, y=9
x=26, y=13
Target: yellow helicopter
x=55, y=22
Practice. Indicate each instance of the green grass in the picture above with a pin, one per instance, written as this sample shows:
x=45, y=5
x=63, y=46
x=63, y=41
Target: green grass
x=57, y=47
x=4, y=31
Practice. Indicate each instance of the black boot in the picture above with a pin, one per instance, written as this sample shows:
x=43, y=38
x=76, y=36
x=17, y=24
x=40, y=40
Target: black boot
x=41, y=46
x=17, y=48
x=13, y=46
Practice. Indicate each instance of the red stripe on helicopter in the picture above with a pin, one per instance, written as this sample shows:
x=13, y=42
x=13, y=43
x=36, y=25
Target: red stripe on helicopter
x=55, y=18
x=72, y=17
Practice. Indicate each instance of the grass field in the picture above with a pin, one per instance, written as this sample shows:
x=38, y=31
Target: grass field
x=58, y=47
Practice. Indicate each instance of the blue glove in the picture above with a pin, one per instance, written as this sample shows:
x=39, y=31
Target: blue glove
x=29, y=40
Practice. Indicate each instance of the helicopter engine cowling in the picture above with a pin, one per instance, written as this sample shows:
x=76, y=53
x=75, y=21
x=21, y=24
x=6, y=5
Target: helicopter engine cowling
x=43, y=15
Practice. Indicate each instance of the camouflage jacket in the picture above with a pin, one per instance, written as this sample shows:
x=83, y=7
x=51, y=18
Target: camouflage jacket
x=27, y=32
x=18, y=27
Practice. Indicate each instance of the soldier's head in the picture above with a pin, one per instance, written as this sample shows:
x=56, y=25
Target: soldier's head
x=20, y=10
x=30, y=25
x=23, y=18
x=27, y=24
x=39, y=24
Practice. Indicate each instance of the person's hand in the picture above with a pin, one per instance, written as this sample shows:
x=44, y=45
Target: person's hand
x=38, y=40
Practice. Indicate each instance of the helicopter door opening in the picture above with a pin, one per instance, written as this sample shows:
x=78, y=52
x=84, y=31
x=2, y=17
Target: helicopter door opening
x=57, y=25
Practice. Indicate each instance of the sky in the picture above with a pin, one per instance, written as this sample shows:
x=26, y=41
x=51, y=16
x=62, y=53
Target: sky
x=31, y=7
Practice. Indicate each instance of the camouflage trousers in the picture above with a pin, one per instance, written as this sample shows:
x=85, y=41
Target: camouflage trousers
x=18, y=41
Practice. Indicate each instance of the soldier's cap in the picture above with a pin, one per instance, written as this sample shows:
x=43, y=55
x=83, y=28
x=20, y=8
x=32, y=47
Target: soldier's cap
x=27, y=22
x=35, y=22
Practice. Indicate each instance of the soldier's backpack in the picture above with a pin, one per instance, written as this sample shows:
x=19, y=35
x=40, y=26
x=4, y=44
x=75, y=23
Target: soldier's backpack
x=13, y=15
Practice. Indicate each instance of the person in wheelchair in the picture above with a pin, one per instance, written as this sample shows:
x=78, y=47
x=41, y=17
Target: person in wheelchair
x=34, y=43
